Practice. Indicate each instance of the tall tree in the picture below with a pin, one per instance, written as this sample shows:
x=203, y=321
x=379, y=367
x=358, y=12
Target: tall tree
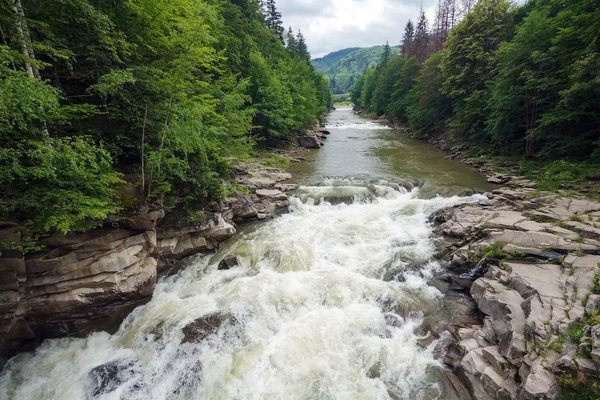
x=421, y=37
x=302, y=48
x=469, y=63
x=291, y=45
x=273, y=18
x=408, y=39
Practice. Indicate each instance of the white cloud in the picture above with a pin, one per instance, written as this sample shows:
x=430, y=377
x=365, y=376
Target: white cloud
x=330, y=25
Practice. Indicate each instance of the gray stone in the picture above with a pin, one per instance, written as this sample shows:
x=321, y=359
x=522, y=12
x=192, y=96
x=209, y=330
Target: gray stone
x=309, y=142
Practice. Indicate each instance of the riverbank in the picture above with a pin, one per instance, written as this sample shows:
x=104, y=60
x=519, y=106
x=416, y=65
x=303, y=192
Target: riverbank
x=531, y=261
x=568, y=178
x=74, y=284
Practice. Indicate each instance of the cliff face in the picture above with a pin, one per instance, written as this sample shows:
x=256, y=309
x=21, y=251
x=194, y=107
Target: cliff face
x=90, y=281
x=77, y=284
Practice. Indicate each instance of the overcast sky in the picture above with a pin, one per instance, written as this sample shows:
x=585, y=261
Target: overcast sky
x=330, y=25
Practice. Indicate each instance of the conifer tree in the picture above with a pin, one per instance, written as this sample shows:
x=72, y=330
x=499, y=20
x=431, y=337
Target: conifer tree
x=421, y=37
x=290, y=42
x=301, y=47
x=408, y=39
x=273, y=18
x=385, y=56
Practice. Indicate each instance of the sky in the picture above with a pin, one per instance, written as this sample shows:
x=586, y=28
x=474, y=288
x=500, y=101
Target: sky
x=330, y=25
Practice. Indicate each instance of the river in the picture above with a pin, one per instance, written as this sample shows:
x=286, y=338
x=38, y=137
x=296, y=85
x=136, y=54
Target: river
x=327, y=302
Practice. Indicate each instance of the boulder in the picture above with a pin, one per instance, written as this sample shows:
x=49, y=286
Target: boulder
x=498, y=179
x=108, y=377
x=228, y=262
x=203, y=327
x=309, y=142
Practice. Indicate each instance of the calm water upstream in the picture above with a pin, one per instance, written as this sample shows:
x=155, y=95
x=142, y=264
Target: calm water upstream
x=328, y=301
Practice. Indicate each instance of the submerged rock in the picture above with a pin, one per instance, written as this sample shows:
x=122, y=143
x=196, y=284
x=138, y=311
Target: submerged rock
x=228, y=262
x=108, y=377
x=203, y=327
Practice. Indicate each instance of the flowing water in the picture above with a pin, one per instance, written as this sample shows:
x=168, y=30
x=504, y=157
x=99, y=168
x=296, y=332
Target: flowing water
x=328, y=301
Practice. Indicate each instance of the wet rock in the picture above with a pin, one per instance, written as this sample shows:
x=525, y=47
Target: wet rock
x=203, y=327
x=272, y=194
x=309, y=142
x=108, y=377
x=228, y=262
x=498, y=179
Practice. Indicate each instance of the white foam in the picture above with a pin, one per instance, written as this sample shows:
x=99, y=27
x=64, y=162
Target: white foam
x=308, y=307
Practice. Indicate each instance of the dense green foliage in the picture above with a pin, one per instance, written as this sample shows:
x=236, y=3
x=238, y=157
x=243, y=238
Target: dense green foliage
x=508, y=80
x=153, y=94
x=344, y=72
x=323, y=64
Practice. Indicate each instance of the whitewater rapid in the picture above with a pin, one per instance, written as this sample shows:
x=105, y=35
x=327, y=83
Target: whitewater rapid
x=325, y=303
x=329, y=301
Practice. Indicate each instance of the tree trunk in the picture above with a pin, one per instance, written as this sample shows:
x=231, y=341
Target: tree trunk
x=26, y=48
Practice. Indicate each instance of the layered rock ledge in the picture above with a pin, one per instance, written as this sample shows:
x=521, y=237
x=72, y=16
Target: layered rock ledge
x=79, y=283
x=531, y=262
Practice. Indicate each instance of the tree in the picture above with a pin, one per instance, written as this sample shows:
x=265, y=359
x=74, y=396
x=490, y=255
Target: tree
x=291, y=44
x=421, y=37
x=545, y=98
x=302, y=48
x=429, y=108
x=469, y=62
x=273, y=18
x=408, y=40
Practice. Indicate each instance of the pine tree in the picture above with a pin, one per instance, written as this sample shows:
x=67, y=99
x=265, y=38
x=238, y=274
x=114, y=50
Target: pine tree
x=290, y=42
x=385, y=56
x=421, y=37
x=301, y=47
x=408, y=39
x=273, y=18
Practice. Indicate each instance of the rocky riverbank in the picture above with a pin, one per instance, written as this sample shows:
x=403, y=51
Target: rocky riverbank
x=531, y=262
x=79, y=283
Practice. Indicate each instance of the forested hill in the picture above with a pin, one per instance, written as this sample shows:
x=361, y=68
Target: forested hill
x=324, y=63
x=104, y=104
x=344, y=67
x=505, y=80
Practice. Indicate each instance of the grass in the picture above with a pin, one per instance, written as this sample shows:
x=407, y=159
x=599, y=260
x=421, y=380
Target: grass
x=560, y=174
x=575, y=332
x=596, y=282
x=270, y=159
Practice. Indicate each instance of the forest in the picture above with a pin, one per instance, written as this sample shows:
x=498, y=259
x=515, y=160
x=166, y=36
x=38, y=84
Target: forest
x=499, y=79
x=345, y=66
x=105, y=104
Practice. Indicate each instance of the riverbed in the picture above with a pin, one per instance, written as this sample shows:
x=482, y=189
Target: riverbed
x=329, y=301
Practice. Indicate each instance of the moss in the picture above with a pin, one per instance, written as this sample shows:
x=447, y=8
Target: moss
x=575, y=218
x=585, y=300
x=196, y=216
x=596, y=282
x=573, y=389
x=575, y=332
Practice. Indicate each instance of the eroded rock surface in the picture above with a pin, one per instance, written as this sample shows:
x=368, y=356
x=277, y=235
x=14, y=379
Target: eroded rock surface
x=539, y=254
x=79, y=283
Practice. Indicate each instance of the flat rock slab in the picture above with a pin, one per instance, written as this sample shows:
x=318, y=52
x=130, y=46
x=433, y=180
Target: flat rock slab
x=546, y=279
x=540, y=240
x=273, y=194
x=506, y=220
x=261, y=183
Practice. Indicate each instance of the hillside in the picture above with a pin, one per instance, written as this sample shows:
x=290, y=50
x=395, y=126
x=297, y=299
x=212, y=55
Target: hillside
x=324, y=63
x=348, y=68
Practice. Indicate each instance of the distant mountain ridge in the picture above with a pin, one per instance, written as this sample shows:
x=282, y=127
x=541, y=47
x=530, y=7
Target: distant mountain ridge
x=344, y=67
x=324, y=63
